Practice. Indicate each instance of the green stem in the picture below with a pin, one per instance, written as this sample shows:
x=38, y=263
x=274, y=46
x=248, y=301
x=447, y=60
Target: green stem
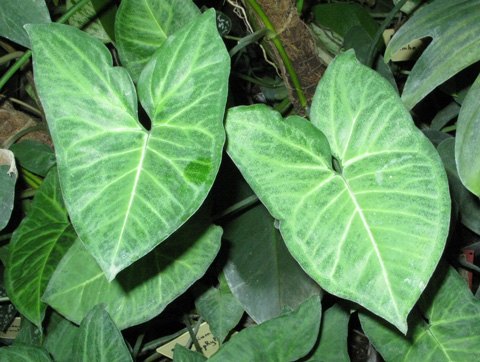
x=378, y=34
x=23, y=104
x=4, y=299
x=257, y=81
x=281, y=50
x=28, y=194
x=10, y=56
x=12, y=70
x=283, y=106
x=449, y=128
x=32, y=180
x=138, y=344
x=299, y=6
x=22, y=133
x=6, y=237
x=241, y=205
x=193, y=333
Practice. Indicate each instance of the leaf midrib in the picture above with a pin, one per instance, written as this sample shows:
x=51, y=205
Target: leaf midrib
x=374, y=243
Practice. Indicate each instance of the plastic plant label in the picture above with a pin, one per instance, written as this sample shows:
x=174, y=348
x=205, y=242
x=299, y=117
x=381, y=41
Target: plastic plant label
x=205, y=339
x=12, y=330
x=410, y=51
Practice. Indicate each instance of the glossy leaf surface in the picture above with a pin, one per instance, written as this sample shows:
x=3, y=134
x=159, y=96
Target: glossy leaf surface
x=127, y=189
x=142, y=26
x=260, y=271
x=99, y=339
x=444, y=326
x=285, y=338
x=467, y=140
x=36, y=248
x=361, y=226
x=144, y=289
x=451, y=50
x=14, y=14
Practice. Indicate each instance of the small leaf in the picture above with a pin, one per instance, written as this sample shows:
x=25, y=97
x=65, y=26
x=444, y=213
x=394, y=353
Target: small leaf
x=99, y=339
x=454, y=26
x=14, y=14
x=285, y=338
x=127, y=189
x=467, y=140
x=445, y=326
x=260, y=270
x=442, y=118
x=220, y=309
x=8, y=178
x=34, y=156
x=36, y=248
x=144, y=289
x=332, y=346
x=24, y=353
x=141, y=27
x=356, y=209
x=96, y=18
x=183, y=354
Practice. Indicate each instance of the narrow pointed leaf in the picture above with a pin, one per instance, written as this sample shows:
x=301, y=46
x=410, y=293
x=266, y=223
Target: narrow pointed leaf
x=285, y=338
x=144, y=289
x=467, y=140
x=99, y=339
x=454, y=26
x=260, y=271
x=444, y=327
x=36, y=248
x=361, y=227
x=142, y=26
x=127, y=189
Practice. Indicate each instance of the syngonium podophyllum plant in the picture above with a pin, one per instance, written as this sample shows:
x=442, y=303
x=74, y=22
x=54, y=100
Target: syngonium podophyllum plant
x=354, y=202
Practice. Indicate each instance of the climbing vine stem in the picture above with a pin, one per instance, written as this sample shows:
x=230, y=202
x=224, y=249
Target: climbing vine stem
x=20, y=61
x=281, y=50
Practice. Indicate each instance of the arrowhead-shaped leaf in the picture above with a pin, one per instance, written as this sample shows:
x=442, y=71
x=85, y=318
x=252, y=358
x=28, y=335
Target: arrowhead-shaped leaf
x=260, y=271
x=127, y=189
x=142, y=26
x=445, y=326
x=36, y=248
x=285, y=338
x=454, y=27
x=362, y=226
x=99, y=339
x=144, y=289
